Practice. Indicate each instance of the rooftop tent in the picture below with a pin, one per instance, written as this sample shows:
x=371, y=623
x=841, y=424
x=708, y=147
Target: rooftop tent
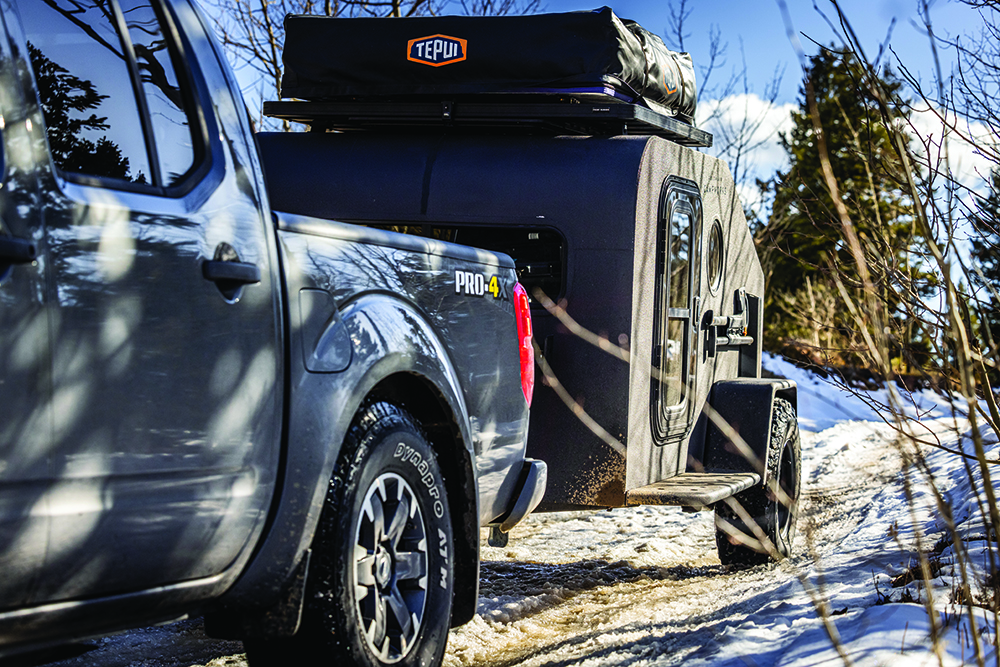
x=573, y=53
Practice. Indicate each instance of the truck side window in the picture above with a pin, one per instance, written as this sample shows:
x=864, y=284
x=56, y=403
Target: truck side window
x=85, y=89
x=107, y=85
x=165, y=101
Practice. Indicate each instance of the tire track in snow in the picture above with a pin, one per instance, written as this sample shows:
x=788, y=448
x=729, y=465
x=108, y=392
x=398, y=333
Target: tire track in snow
x=668, y=586
x=657, y=601
x=624, y=622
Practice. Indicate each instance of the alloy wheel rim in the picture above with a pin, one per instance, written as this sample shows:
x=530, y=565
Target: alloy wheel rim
x=390, y=568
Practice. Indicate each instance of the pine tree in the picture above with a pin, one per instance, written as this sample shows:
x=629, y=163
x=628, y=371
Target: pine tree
x=985, y=253
x=802, y=245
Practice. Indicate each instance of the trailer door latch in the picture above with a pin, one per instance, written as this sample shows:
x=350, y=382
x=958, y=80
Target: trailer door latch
x=728, y=330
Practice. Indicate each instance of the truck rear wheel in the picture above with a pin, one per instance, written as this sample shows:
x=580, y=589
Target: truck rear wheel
x=379, y=589
x=774, y=515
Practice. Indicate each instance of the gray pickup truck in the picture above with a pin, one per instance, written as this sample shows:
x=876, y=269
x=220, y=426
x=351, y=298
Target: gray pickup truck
x=293, y=425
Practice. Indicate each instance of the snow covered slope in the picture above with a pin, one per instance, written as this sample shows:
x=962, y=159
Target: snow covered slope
x=643, y=585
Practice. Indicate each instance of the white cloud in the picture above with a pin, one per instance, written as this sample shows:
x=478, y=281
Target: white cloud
x=756, y=124
x=749, y=122
x=967, y=165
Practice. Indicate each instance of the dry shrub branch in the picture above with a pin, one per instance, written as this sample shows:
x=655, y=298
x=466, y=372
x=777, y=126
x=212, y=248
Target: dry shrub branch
x=911, y=295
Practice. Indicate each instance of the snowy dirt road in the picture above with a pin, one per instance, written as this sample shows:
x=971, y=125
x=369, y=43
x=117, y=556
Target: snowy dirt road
x=643, y=586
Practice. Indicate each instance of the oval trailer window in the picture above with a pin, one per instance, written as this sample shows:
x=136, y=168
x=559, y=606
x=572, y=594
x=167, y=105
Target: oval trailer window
x=715, y=257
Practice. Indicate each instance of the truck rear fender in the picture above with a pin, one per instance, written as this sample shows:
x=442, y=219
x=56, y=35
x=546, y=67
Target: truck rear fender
x=415, y=373
x=746, y=405
x=397, y=356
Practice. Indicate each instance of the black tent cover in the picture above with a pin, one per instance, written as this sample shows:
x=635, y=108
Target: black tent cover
x=329, y=59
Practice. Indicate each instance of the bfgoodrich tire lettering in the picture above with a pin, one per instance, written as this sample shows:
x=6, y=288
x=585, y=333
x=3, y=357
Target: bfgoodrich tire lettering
x=379, y=590
x=775, y=518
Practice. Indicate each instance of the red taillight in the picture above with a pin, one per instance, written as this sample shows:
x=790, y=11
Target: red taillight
x=522, y=311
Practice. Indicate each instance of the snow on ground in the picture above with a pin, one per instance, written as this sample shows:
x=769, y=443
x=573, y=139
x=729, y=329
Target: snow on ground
x=643, y=586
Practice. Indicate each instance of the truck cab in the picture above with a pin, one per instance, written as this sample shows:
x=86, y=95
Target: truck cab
x=141, y=374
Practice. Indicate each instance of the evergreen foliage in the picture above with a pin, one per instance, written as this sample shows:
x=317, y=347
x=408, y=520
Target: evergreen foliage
x=985, y=254
x=802, y=246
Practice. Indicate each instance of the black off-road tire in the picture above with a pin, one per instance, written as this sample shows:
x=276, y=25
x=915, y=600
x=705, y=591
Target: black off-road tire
x=775, y=519
x=379, y=588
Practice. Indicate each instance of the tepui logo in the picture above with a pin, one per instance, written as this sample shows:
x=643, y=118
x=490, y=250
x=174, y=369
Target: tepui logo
x=436, y=50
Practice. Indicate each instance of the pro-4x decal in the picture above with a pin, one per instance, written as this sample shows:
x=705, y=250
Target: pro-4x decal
x=436, y=50
x=479, y=284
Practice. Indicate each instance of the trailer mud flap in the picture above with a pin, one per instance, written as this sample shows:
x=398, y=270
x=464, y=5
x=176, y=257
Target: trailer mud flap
x=745, y=406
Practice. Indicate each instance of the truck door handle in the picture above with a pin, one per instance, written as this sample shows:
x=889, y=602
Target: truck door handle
x=17, y=251
x=233, y=273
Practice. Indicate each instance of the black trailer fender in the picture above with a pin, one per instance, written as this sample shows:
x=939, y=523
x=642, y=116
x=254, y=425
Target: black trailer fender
x=746, y=405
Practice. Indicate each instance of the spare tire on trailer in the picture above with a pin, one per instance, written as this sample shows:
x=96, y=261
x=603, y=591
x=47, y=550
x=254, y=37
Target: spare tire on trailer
x=771, y=507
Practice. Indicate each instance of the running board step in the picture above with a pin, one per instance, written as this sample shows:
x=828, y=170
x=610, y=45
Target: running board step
x=693, y=489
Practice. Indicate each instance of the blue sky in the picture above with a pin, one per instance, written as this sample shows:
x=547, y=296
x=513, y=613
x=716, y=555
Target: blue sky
x=766, y=44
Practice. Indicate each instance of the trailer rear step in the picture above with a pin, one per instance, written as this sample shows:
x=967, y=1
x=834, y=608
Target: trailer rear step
x=693, y=489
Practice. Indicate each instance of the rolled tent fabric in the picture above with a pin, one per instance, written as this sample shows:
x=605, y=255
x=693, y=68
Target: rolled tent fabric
x=565, y=53
x=669, y=74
